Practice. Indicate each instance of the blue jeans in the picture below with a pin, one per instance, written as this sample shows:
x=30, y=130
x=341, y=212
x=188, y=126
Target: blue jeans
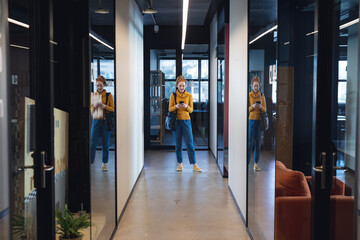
x=183, y=129
x=254, y=139
x=99, y=130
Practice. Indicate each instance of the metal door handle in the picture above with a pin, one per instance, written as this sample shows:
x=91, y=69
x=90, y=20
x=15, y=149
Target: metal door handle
x=44, y=169
x=322, y=169
x=334, y=161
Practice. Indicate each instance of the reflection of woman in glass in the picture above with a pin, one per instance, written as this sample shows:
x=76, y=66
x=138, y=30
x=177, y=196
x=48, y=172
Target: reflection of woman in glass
x=256, y=104
x=99, y=128
x=183, y=106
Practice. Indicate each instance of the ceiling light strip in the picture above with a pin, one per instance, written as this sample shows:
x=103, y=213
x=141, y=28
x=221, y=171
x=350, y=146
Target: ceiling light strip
x=184, y=25
x=21, y=24
x=349, y=23
x=103, y=43
x=263, y=34
x=308, y=34
x=345, y=25
x=18, y=46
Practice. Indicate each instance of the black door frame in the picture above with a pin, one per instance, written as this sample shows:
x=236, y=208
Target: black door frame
x=40, y=74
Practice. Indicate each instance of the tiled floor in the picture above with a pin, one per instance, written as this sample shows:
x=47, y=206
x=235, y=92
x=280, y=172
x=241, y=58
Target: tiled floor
x=180, y=205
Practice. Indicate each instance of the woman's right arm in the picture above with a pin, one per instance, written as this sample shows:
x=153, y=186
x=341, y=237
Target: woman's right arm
x=172, y=106
x=250, y=105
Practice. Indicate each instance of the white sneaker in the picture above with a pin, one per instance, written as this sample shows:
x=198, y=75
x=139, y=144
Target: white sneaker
x=104, y=168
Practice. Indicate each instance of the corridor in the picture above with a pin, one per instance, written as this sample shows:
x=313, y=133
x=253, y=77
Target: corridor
x=180, y=205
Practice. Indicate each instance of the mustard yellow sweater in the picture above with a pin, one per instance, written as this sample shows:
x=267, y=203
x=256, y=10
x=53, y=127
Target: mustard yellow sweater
x=255, y=112
x=182, y=113
x=109, y=105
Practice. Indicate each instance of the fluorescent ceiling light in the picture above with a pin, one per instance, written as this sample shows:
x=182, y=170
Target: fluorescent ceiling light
x=345, y=25
x=102, y=42
x=18, y=46
x=21, y=24
x=308, y=34
x=263, y=34
x=185, y=16
x=149, y=11
x=349, y=24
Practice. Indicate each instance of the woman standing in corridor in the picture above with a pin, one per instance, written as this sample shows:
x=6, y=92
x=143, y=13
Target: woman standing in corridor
x=183, y=106
x=100, y=101
x=256, y=104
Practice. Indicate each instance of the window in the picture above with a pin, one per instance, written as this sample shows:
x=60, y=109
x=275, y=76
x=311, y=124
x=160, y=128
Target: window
x=342, y=92
x=168, y=67
x=107, y=68
x=204, y=69
x=342, y=70
x=193, y=88
x=204, y=91
x=169, y=88
x=190, y=69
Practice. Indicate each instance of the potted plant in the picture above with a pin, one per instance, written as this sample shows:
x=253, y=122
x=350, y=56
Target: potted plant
x=70, y=224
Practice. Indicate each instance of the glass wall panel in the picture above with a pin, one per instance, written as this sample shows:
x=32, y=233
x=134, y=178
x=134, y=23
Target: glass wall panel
x=103, y=169
x=162, y=85
x=262, y=94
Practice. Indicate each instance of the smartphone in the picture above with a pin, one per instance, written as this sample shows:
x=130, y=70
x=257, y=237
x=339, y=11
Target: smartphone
x=181, y=102
x=258, y=102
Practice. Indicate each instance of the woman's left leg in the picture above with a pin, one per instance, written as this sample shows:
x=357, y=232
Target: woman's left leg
x=105, y=142
x=257, y=141
x=188, y=136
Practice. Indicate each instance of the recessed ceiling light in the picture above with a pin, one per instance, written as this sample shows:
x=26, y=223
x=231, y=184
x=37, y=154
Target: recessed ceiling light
x=150, y=10
x=101, y=10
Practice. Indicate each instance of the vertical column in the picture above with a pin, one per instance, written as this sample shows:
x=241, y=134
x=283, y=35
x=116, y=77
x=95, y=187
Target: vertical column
x=4, y=136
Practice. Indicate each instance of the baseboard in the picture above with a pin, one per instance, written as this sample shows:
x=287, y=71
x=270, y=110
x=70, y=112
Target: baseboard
x=126, y=204
x=4, y=213
x=241, y=215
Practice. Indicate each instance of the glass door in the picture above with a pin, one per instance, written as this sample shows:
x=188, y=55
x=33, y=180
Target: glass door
x=317, y=120
x=31, y=130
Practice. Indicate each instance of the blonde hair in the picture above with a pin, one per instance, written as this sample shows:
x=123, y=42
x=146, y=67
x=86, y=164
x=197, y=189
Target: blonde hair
x=102, y=79
x=179, y=79
x=255, y=79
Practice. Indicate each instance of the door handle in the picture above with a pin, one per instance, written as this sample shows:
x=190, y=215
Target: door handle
x=334, y=161
x=322, y=169
x=44, y=168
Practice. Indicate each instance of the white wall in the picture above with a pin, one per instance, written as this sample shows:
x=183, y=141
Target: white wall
x=129, y=97
x=238, y=100
x=213, y=86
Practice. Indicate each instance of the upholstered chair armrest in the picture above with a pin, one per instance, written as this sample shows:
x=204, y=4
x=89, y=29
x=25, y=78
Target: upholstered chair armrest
x=292, y=218
x=342, y=217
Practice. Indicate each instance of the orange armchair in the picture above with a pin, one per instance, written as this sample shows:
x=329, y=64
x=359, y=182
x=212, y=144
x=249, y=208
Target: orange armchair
x=293, y=207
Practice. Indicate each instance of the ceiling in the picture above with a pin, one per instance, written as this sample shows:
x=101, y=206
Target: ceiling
x=169, y=12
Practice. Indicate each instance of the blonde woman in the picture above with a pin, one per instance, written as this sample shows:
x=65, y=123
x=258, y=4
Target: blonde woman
x=256, y=104
x=99, y=128
x=183, y=106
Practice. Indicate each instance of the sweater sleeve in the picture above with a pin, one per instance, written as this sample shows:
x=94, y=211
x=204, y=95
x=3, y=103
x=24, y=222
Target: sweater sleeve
x=110, y=104
x=172, y=105
x=250, y=105
x=190, y=107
